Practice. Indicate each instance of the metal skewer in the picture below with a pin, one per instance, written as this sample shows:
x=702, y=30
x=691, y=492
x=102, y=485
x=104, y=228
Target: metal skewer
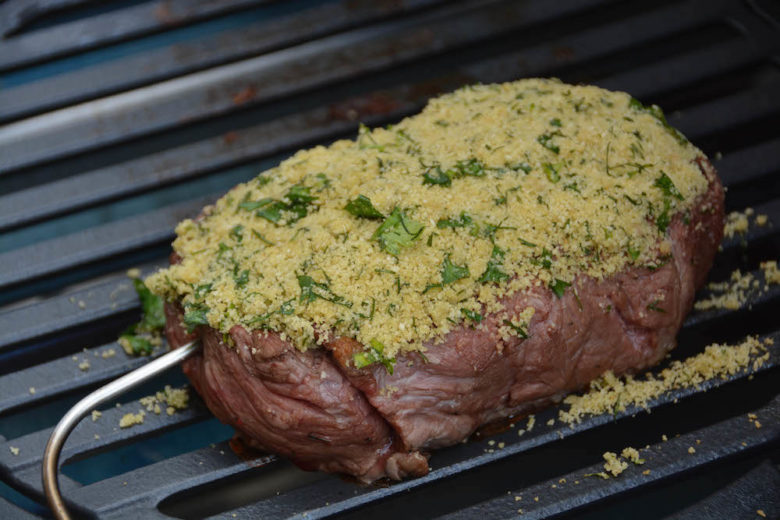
x=119, y=386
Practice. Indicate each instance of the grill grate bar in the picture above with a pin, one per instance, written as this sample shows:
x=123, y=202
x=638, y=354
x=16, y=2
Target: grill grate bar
x=147, y=486
x=182, y=58
x=734, y=436
x=30, y=386
x=15, y=13
x=224, y=89
x=747, y=165
x=83, y=441
x=96, y=243
x=193, y=159
x=150, y=484
x=688, y=68
x=100, y=29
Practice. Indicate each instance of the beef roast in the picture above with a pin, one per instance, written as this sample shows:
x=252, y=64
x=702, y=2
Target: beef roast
x=319, y=410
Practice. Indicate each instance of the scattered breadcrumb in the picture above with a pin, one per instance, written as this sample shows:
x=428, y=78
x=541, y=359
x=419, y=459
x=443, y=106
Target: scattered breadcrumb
x=664, y=438
x=771, y=272
x=550, y=422
x=174, y=398
x=762, y=220
x=613, y=464
x=757, y=424
x=97, y=436
x=737, y=222
x=731, y=294
x=518, y=498
x=96, y=415
x=610, y=394
x=82, y=305
x=14, y=450
x=646, y=472
x=691, y=450
x=133, y=273
x=536, y=499
x=32, y=390
x=760, y=512
x=131, y=419
x=531, y=422
x=632, y=455
x=84, y=365
x=108, y=353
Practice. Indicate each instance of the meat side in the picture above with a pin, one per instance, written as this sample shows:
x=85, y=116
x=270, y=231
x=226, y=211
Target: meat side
x=316, y=409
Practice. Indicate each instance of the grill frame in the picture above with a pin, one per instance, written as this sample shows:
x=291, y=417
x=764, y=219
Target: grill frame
x=95, y=154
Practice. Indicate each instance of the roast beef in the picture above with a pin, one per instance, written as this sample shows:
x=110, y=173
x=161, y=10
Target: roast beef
x=318, y=409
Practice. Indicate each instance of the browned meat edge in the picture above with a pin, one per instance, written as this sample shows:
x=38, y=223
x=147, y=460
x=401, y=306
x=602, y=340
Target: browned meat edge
x=324, y=414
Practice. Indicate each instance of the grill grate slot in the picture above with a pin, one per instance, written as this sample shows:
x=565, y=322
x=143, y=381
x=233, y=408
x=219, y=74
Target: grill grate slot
x=206, y=94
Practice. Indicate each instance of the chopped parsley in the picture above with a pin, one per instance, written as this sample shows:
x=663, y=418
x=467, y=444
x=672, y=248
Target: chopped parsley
x=656, y=112
x=362, y=207
x=451, y=273
x=464, y=220
x=653, y=306
x=241, y=278
x=374, y=354
x=665, y=184
x=493, y=272
x=293, y=206
x=262, y=238
x=474, y=316
x=137, y=337
x=551, y=171
x=397, y=231
x=663, y=219
x=194, y=315
x=520, y=331
x=237, y=233
x=546, y=141
x=558, y=287
x=311, y=290
x=466, y=168
x=437, y=176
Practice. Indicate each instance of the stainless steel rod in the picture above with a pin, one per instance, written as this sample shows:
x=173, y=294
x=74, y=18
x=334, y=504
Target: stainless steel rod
x=119, y=386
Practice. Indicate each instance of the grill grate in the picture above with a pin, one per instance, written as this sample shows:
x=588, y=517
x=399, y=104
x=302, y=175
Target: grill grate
x=119, y=120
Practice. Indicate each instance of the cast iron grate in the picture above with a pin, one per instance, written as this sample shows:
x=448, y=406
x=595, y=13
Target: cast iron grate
x=120, y=119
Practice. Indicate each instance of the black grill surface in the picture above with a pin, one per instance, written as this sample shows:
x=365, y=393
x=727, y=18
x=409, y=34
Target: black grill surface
x=120, y=118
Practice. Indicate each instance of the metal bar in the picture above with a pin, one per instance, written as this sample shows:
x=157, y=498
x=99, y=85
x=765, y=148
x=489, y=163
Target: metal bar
x=149, y=485
x=16, y=13
x=91, y=437
x=182, y=58
x=187, y=161
x=744, y=166
x=107, y=28
x=643, y=82
x=734, y=435
x=107, y=297
x=95, y=243
x=262, y=79
x=27, y=387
